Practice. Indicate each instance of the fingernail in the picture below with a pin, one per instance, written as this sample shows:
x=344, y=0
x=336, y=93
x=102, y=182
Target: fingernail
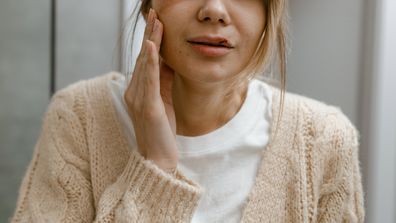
x=150, y=15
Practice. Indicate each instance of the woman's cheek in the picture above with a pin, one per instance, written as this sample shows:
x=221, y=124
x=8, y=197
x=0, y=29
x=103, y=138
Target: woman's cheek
x=161, y=5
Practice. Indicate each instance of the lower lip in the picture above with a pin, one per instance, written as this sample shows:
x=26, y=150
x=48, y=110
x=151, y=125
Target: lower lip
x=210, y=51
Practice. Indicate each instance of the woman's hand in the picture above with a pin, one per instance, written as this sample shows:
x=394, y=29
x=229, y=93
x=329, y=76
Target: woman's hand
x=149, y=101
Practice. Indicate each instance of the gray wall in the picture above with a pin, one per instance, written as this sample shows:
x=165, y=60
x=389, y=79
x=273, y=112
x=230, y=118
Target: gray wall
x=87, y=35
x=381, y=120
x=24, y=94
x=343, y=53
x=326, y=40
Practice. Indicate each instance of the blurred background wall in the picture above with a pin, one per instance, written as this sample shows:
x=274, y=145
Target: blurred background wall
x=342, y=52
x=24, y=85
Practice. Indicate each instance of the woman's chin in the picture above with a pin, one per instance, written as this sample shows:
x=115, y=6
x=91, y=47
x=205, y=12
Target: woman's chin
x=204, y=73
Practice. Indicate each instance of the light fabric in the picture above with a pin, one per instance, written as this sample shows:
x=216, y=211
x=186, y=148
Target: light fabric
x=224, y=162
x=84, y=170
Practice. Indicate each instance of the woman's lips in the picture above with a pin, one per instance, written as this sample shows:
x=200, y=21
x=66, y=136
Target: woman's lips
x=209, y=50
x=210, y=46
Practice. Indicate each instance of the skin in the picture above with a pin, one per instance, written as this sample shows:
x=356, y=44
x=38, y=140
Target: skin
x=174, y=89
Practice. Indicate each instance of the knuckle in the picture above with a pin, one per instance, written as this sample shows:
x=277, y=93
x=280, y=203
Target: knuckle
x=132, y=104
x=150, y=83
x=151, y=114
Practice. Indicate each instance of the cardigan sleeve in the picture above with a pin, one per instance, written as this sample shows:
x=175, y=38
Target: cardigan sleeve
x=56, y=186
x=341, y=195
x=146, y=193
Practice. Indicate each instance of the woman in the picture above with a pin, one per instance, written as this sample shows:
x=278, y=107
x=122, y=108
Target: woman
x=193, y=137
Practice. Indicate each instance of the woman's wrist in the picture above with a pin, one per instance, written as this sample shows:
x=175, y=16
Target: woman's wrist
x=169, y=167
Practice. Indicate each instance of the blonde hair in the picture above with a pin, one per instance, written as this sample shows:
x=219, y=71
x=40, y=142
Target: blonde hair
x=271, y=48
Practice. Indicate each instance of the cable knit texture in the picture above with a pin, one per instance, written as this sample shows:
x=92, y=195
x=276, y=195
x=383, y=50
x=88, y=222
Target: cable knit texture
x=83, y=170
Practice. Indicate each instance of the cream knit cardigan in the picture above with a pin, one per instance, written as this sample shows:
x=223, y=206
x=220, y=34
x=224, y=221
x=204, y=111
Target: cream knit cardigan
x=84, y=171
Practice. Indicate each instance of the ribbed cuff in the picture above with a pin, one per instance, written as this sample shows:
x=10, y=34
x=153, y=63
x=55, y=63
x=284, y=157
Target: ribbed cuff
x=173, y=196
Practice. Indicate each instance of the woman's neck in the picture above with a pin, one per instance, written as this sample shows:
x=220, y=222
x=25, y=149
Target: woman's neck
x=201, y=108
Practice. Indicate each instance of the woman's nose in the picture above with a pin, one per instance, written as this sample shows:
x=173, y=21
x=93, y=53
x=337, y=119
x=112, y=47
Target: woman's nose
x=214, y=11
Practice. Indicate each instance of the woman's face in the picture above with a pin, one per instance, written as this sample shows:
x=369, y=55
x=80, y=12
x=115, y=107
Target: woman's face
x=209, y=40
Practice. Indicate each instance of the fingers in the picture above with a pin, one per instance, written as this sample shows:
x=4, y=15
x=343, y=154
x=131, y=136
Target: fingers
x=149, y=24
x=151, y=47
x=145, y=81
x=154, y=29
x=150, y=115
x=152, y=87
x=153, y=32
x=156, y=35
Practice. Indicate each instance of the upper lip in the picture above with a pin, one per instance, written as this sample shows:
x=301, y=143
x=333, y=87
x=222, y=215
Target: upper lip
x=211, y=40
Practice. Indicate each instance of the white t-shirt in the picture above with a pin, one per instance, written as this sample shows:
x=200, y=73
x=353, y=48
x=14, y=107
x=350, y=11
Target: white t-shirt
x=224, y=161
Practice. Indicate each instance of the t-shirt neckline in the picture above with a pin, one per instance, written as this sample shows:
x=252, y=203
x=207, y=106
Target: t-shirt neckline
x=238, y=126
